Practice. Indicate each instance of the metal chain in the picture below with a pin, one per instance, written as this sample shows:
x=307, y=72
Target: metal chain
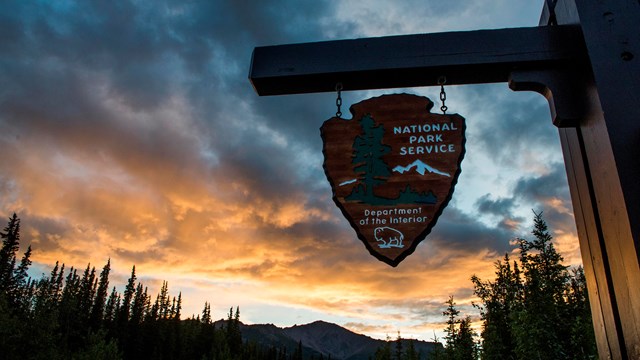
x=339, y=100
x=551, y=5
x=443, y=95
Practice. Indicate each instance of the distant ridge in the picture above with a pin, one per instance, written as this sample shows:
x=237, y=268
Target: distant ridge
x=334, y=340
x=324, y=338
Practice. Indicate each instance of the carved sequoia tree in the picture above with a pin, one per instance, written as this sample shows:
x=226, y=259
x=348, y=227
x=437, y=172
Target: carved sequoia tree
x=367, y=157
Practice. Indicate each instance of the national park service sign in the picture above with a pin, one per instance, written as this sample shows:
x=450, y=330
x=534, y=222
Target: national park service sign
x=392, y=169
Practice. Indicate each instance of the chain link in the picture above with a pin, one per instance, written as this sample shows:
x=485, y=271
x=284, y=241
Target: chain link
x=443, y=95
x=339, y=100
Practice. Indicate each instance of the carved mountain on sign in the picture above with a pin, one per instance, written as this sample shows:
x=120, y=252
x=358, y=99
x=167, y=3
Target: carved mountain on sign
x=420, y=167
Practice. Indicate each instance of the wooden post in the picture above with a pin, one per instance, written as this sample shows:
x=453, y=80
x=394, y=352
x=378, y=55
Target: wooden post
x=602, y=158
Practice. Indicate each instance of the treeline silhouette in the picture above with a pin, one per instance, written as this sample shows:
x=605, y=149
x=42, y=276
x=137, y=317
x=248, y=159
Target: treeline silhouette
x=534, y=308
x=68, y=315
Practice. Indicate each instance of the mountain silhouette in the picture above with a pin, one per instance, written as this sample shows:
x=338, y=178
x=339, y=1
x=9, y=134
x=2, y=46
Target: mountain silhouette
x=324, y=338
x=420, y=167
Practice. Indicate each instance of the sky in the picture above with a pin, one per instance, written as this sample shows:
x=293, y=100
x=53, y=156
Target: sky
x=130, y=132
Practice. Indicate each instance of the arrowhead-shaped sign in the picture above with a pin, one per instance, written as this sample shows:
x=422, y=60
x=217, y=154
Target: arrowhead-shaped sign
x=392, y=169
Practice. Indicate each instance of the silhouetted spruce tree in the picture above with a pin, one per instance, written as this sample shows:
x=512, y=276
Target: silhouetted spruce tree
x=466, y=347
x=111, y=308
x=48, y=291
x=459, y=338
x=233, y=334
x=206, y=314
x=437, y=353
x=10, y=246
x=162, y=301
x=87, y=291
x=540, y=325
x=19, y=289
x=206, y=335
x=14, y=289
x=14, y=279
x=173, y=309
x=123, y=328
x=500, y=300
x=127, y=297
x=43, y=327
x=451, y=313
x=69, y=318
x=138, y=305
x=102, y=292
x=411, y=353
x=398, y=353
x=178, y=309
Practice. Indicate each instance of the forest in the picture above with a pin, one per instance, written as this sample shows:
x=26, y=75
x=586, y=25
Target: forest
x=72, y=314
x=535, y=308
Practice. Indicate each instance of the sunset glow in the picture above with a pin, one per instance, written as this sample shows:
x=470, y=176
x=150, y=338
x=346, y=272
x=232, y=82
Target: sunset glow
x=130, y=132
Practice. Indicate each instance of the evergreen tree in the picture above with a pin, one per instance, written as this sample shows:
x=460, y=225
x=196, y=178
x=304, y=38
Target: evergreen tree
x=500, y=300
x=138, y=304
x=398, y=354
x=465, y=344
x=539, y=326
x=384, y=352
x=162, y=301
x=49, y=290
x=451, y=313
x=459, y=338
x=539, y=312
x=15, y=293
x=10, y=246
x=438, y=352
x=57, y=285
x=112, y=306
x=367, y=156
x=411, y=353
x=127, y=296
x=233, y=334
x=172, y=312
x=87, y=291
x=206, y=314
x=98, y=308
x=177, y=313
x=74, y=310
x=20, y=289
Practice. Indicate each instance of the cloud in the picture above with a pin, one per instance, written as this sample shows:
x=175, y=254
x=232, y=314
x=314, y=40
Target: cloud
x=130, y=131
x=495, y=207
x=381, y=18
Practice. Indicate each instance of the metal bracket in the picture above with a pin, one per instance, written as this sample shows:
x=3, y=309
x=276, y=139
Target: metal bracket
x=564, y=89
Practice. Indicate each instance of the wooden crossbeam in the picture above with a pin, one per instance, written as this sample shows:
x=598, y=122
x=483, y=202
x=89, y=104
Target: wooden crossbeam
x=472, y=57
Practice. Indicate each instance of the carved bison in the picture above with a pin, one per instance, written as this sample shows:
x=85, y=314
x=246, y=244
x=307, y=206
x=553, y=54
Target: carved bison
x=388, y=237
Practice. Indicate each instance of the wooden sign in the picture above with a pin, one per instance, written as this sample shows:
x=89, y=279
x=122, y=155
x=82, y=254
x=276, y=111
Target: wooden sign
x=392, y=169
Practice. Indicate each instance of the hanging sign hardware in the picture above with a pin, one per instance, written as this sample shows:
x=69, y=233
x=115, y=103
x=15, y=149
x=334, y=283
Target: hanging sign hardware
x=443, y=95
x=339, y=99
